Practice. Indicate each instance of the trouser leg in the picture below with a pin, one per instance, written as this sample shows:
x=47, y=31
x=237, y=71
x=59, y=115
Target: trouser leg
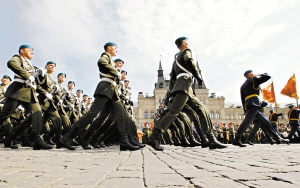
x=251, y=113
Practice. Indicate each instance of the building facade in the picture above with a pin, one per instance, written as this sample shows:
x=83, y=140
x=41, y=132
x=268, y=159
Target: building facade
x=147, y=106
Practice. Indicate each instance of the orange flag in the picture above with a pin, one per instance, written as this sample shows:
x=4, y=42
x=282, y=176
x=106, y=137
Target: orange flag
x=269, y=94
x=290, y=88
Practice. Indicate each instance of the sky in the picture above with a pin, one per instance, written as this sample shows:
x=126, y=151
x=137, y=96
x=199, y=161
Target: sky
x=227, y=37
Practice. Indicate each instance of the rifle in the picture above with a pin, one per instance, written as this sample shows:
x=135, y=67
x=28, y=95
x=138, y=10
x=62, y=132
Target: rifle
x=54, y=90
x=36, y=74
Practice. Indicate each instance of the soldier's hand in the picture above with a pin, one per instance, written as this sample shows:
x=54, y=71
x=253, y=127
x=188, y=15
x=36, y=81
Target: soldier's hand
x=49, y=96
x=60, y=102
x=72, y=106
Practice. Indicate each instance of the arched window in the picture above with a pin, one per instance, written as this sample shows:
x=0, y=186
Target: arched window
x=161, y=85
x=146, y=114
x=212, y=115
x=240, y=116
x=203, y=101
x=232, y=116
x=227, y=117
x=217, y=115
x=151, y=114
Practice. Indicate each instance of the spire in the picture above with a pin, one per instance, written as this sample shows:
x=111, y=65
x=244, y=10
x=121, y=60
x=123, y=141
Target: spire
x=160, y=67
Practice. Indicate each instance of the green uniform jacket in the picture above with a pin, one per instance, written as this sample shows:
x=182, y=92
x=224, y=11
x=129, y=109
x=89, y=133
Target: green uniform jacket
x=17, y=90
x=46, y=86
x=107, y=66
x=183, y=83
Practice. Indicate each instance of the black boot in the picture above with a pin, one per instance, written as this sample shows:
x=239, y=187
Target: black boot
x=154, y=141
x=194, y=142
x=134, y=142
x=84, y=141
x=68, y=142
x=176, y=141
x=237, y=141
x=204, y=141
x=214, y=143
x=280, y=140
x=59, y=142
x=125, y=144
x=185, y=142
x=93, y=142
x=248, y=141
x=40, y=144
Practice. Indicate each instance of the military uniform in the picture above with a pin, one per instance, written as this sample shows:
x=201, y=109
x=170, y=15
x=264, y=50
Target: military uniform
x=18, y=93
x=294, y=122
x=273, y=119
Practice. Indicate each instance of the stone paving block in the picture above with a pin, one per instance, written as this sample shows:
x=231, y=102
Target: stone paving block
x=130, y=168
x=197, y=173
x=122, y=183
x=161, y=180
x=293, y=177
x=242, y=175
x=126, y=174
x=269, y=183
x=208, y=182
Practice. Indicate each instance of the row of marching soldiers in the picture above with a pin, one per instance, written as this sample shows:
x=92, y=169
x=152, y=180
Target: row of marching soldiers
x=53, y=115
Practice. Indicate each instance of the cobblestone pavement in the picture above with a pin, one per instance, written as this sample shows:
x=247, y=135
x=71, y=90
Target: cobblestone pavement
x=254, y=166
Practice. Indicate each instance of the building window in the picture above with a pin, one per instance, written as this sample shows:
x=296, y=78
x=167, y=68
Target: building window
x=227, y=117
x=152, y=114
x=232, y=117
x=146, y=114
x=161, y=85
x=217, y=115
x=211, y=115
x=240, y=116
x=203, y=101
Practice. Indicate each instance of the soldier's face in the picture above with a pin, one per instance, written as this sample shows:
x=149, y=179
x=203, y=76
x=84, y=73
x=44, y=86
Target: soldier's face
x=50, y=68
x=126, y=84
x=5, y=81
x=186, y=43
x=61, y=78
x=27, y=53
x=71, y=86
x=79, y=94
x=119, y=64
x=124, y=76
x=112, y=50
x=90, y=101
x=85, y=98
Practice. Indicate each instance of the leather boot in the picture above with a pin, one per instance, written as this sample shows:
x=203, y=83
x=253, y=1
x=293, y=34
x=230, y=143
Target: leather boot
x=125, y=144
x=68, y=142
x=248, y=141
x=194, y=142
x=204, y=141
x=214, y=143
x=185, y=142
x=93, y=142
x=134, y=142
x=280, y=140
x=154, y=141
x=40, y=144
x=176, y=141
x=59, y=142
x=84, y=141
x=237, y=141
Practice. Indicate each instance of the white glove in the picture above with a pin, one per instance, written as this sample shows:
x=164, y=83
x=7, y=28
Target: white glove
x=72, y=106
x=49, y=96
x=33, y=86
x=31, y=78
x=42, y=71
x=1, y=105
x=60, y=101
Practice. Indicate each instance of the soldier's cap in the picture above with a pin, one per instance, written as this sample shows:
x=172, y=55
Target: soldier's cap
x=129, y=87
x=163, y=99
x=177, y=41
x=79, y=90
x=71, y=82
x=291, y=106
x=85, y=95
x=247, y=72
x=62, y=74
x=109, y=44
x=51, y=62
x=124, y=71
x=116, y=60
x=6, y=76
x=89, y=98
x=126, y=80
x=271, y=111
x=25, y=46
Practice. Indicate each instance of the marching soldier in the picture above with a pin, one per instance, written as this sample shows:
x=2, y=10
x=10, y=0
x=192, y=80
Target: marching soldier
x=70, y=103
x=182, y=74
x=23, y=91
x=294, y=121
x=274, y=118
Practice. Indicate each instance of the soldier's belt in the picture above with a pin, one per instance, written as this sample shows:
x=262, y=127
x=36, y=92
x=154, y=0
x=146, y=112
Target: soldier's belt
x=19, y=80
x=182, y=74
x=109, y=80
x=294, y=119
x=253, y=95
x=273, y=121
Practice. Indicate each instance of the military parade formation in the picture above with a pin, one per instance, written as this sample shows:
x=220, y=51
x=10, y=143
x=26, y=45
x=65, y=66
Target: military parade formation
x=36, y=111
